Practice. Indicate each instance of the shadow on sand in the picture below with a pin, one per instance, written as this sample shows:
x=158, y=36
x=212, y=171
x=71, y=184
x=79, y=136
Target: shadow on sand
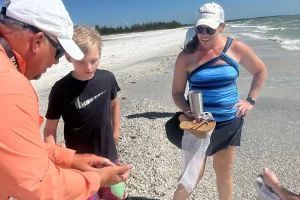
x=151, y=115
x=139, y=198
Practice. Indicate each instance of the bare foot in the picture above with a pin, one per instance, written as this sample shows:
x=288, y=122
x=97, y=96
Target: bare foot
x=270, y=178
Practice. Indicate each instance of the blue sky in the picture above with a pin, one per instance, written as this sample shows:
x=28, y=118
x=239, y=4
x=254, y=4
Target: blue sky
x=121, y=12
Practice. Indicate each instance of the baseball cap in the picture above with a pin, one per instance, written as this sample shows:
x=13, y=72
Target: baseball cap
x=210, y=14
x=50, y=16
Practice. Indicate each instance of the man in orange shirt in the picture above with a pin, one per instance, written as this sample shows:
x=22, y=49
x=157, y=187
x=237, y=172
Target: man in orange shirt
x=34, y=34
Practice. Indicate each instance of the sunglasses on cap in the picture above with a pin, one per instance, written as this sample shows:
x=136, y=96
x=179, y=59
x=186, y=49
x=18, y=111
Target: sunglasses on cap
x=200, y=29
x=59, y=49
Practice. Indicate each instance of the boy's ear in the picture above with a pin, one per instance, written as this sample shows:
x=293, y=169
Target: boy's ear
x=68, y=57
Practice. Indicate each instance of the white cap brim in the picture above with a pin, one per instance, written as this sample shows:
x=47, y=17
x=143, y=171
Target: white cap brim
x=71, y=48
x=208, y=22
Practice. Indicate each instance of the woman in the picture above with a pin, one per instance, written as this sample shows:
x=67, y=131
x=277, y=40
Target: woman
x=210, y=63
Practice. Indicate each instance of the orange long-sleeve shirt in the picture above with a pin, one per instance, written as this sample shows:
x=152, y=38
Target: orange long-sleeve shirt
x=29, y=168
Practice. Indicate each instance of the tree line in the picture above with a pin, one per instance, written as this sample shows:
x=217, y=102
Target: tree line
x=138, y=27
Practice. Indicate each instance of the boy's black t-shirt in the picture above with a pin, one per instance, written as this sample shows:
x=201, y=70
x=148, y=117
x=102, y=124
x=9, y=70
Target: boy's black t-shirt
x=85, y=109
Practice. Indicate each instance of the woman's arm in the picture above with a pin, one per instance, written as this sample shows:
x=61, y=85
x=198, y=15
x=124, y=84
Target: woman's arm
x=252, y=63
x=255, y=66
x=179, y=83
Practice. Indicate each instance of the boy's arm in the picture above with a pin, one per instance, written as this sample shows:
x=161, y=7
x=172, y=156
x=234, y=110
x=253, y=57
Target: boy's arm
x=59, y=155
x=115, y=118
x=115, y=108
x=50, y=131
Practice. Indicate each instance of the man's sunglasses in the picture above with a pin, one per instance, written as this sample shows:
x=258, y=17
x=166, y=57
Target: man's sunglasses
x=59, y=49
x=208, y=30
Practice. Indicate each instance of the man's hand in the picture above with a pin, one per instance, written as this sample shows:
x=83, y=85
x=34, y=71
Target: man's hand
x=89, y=162
x=113, y=174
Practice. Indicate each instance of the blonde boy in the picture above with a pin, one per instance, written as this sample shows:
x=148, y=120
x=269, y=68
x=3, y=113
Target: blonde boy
x=86, y=99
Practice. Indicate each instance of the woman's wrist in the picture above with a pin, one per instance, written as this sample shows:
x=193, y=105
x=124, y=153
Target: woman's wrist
x=187, y=112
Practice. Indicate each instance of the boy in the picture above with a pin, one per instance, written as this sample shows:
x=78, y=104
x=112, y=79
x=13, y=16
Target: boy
x=86, y=99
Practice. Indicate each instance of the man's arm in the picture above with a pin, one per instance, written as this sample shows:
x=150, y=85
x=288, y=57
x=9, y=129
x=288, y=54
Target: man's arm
x=25, y=165
x=50, y=130
x=60, y=156
x=115, y=118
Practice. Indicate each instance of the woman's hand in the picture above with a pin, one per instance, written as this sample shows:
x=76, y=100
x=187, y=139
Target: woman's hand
x=189, y=115
x=244, y=108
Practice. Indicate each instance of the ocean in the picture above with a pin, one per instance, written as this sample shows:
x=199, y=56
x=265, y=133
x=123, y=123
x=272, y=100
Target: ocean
x=284, y=30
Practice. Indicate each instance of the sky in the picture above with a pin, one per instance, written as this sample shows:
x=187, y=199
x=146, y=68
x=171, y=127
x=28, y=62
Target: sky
x=128, y=12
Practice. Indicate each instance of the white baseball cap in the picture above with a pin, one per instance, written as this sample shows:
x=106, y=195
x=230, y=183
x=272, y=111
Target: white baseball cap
x=50, y=16
x=210, y=14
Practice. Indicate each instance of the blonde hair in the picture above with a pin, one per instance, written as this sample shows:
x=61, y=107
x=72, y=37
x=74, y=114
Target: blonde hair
x=86, y=37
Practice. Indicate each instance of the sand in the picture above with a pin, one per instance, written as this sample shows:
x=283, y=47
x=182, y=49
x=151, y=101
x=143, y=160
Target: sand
x=143, y=65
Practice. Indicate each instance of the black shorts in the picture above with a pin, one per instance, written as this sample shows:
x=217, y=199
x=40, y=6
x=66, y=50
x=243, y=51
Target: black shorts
x=227, y=133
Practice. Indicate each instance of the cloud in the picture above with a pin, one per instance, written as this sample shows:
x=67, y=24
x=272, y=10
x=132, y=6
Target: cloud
x=126, y=23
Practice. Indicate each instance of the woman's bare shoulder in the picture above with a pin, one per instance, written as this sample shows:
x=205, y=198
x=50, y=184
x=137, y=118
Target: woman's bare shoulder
x=183, y=59
x=239, y=46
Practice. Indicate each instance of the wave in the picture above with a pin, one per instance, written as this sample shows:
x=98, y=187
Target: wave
x=260, y=27
x=267, y=28
x=292, y=21
x=289, y=44
x=254, y=36
x=284, y=30
x=241, y=26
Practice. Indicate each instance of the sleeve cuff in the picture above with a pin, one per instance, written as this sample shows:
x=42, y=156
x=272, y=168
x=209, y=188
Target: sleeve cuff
x=95, y=181
x=63, y=156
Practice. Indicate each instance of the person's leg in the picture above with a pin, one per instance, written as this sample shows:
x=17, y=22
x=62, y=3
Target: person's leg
x=181, y=193
x=223, y=164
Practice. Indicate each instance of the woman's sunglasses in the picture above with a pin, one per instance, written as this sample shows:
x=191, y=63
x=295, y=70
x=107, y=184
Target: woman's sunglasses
x=208, y=30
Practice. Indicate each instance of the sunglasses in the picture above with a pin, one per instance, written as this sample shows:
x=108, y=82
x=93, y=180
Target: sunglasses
x=208, y=30
x=59, y=49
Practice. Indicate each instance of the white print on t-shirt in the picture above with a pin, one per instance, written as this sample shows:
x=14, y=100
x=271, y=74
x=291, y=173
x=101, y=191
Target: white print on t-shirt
x=81, y=105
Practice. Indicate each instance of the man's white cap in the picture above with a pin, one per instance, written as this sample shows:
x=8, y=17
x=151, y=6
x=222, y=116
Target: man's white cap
x=50, y=16
x=210, y=14
x=189, y=35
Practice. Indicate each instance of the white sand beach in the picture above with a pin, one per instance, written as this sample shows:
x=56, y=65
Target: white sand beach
x=143, y=65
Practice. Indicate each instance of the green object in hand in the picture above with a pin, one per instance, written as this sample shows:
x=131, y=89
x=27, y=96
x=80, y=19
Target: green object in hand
x=118, y=189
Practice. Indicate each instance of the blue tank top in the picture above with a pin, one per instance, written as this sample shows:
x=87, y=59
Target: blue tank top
x=218, y=85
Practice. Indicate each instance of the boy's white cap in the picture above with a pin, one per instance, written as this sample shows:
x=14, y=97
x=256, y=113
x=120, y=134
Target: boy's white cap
x=50, y=16
x=210, y=14
x=189, y=35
